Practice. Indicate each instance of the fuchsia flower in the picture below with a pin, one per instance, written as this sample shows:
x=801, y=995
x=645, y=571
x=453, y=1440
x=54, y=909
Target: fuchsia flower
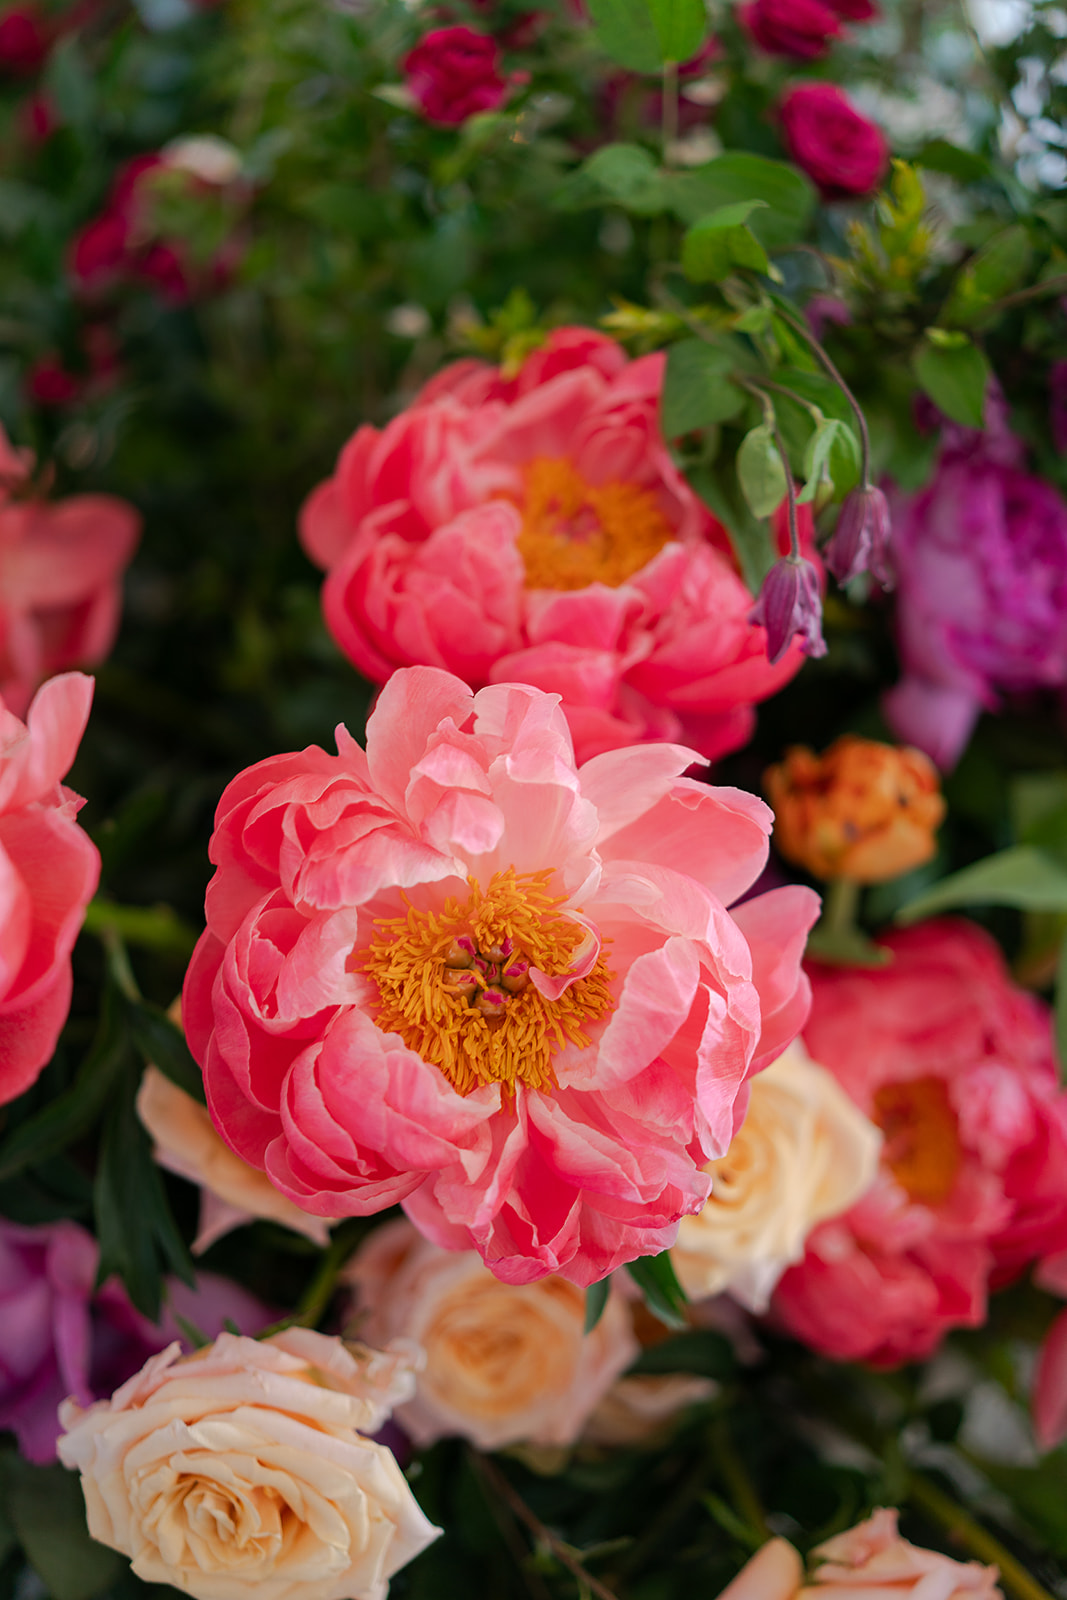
x=801, y=29
x=534, y=528
x=789, y=606
x=839, y=148
x=454, y=73
x=59, y=1336
x=861, y=539
x=61, y=564
x=981, y=556
x=48, y=873
x=456, y=972
x=25, y=39
x=956, y=1066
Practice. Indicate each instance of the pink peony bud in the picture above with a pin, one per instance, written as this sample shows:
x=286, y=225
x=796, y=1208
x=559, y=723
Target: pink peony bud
x=789, y=604
x=860, y=542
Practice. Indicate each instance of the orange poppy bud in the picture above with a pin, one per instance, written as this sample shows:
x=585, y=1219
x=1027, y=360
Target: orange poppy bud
x=863, y=810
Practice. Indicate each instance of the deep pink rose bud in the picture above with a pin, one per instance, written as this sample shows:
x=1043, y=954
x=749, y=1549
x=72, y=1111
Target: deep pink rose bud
x=860, y=542
x=1057, y=405
x=454, y=73
x=802, y=29
x=827, y=137
x=24, y=40
x=789, y=605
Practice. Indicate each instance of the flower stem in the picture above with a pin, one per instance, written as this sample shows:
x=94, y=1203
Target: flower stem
x=563, y=1553
x=832, y=372
x=981, y=1543
x=670, y=109
x=840, y=905
x=746, y=1500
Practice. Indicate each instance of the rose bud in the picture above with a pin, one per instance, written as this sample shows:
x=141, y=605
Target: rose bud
x=789, y=606
x=860, y=542
x=863, y=810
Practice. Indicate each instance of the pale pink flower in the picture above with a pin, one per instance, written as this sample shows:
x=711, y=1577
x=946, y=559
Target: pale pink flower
x=48, y=874
x=534, y=528
x=550, y=1102
x=61, y=566
x=505, y=1363
x=244, y=1469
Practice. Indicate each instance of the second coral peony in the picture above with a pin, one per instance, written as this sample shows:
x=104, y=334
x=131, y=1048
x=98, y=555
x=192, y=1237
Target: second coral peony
x=457, y=972
x=534, y=528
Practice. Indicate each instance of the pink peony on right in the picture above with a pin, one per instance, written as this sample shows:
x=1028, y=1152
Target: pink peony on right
x=955, y=1063
x=533, y=528
x=457, y=972
x=48, y=874
x=61, y=566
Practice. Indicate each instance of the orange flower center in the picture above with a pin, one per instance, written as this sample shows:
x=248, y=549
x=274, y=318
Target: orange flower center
x=922, y=1142
x=455, y=984
x=575, y=533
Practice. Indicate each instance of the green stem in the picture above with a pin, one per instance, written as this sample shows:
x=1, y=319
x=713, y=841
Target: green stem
x=118, y=962
x=840, y=905
x=746, y=1500
x=563, y=1553
x=319, y=1292
x=152, y=927
x=978, y=1540
x=832, y=372
x=670, y=109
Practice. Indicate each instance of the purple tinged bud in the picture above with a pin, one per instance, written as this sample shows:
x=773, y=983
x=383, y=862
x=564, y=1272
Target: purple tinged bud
x=788, y=605
x=860, y=542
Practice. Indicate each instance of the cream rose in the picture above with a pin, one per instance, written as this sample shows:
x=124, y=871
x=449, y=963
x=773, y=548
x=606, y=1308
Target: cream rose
x=505, y=1363
x=242, y=1472
x=804, y=1153
x=186, y=1143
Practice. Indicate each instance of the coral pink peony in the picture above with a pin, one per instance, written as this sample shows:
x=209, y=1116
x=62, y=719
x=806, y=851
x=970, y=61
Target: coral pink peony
x=535, y=529
x=956, y=1066
x=831, y=141
x=454, y=73
x=61, y=564
x=459, y=973
x=48, y=874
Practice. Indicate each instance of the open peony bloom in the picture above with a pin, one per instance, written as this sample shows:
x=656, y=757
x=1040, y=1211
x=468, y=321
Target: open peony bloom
x=48, y=874
x=803, y=1154
x=457, y=972
x=505, y=1363
x=535, y=529
x=981, y=554
x=956, y=1066
x=244, y=1469
x=61, y=565
x=868, y=1562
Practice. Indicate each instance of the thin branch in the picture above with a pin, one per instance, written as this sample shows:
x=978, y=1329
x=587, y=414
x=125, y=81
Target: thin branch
x=832, y=372
x=981, y=1543
x=562, y=1552
x=670, y=109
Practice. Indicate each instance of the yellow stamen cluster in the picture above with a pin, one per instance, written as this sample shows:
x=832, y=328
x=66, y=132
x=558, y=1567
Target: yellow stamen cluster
x=575, y=533
x=408, y=961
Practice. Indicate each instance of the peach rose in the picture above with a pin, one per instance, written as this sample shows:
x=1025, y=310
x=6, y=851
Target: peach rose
x=641, y=1409
x=505, y=1363
x=804, y=1153
x=243, y=1470
x=862, y=810
x=868, y=1562
x=231, y=1192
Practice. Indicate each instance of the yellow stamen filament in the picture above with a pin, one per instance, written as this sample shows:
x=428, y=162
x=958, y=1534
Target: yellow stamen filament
x=419, y=999
x=575, y=533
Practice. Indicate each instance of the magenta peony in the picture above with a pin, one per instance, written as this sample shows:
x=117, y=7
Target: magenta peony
x=535, y=529
x=981, y=555
x=61, y=566
x=454, y=73
x=60, y=1337
x=956, y=1066
x=457, y=972
x=48, y=873
x=843, y=152
x=801, y=29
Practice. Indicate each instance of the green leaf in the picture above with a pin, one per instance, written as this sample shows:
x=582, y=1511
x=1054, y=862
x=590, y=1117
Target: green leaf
x=596, y=1298
x=163, y=1045
x=629, y=175
x=750, y=538
x=680, y=27
x=719, y=242
x=70, y=86
x=1023, y=877
x=697, y=390
x=137, y=1233
x=73, y=1113
x=846, y=947
x=626, y=32
x=938, y=155
x=760, y=471
x=47, y=1512
x=789, y=197
x=995, y=270
x=834, y=452
x=955, y=377
x=664, y=1295
x=702, y=1351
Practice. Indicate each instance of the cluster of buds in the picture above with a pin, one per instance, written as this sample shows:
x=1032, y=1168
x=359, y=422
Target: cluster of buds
x=487, y=979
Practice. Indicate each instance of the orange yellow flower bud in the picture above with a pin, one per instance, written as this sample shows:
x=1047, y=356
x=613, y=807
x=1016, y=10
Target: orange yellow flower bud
x=863, y=810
